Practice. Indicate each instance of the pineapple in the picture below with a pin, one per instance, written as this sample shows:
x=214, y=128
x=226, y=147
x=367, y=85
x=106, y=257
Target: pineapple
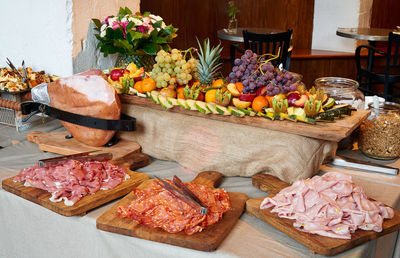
x=208, y=64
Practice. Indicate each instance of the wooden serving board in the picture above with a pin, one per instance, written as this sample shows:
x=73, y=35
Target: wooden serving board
x=329, y=131
x=316, y=243
x=57, y=143
x=207, y=240
x=80, y=208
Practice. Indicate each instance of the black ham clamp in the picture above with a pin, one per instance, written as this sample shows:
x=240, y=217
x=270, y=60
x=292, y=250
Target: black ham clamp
x=126, y=123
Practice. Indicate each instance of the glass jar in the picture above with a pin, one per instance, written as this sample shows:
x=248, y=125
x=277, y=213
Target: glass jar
x=379, y=135
x=343, y=90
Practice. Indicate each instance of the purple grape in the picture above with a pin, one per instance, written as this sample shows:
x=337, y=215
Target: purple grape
x=270, y=67
x=274, y=81
x=265, y=77
x=245, y=90
x=253, y=61
x=252, y=85
x=270, y=86
x=288, y=76
x=235, y=69
x=285, y=90
x=255, y=56
x=284, y=80
x=270, y=93
x=294, y=79
x=248, y=53
x=243, y=58
x=264, y=68
x=276, y=91
x=232, y=75
x=239, y=74
x=238, y=61
x=293, y=87
x=245, y=83
x=242, y=68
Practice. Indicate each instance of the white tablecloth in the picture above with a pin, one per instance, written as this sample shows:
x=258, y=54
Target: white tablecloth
x=29, y=230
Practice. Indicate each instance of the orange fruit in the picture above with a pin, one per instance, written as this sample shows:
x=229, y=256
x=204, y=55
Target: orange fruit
x=211, y=95
x=139, y=86
x=259, y=102
x=179, y=91
x=269, y=100
x=239, y=86
x=148, y=85
x=194, y=83
x=218, y=83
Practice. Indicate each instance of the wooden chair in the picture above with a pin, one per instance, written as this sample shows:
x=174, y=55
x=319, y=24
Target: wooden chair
x=392, y=68
x=266, y=44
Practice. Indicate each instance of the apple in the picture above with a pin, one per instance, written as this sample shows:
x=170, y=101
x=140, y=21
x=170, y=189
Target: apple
x=247, y=97
x=116, y=74
x=262, y=91
x=300, y=102
x=292, y=97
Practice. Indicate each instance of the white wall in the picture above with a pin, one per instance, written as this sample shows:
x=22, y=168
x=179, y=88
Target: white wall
x=38, y=31
x=328, y=16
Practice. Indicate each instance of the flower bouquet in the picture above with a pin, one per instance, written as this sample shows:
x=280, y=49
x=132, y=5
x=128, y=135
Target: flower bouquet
x=134, y=36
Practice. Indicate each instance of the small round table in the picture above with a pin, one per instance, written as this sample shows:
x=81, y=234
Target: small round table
x=238, y=36
x=370, y=34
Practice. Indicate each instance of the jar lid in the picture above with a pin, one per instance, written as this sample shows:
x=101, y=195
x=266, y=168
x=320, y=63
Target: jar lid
x=386, y=107
x=337, y=82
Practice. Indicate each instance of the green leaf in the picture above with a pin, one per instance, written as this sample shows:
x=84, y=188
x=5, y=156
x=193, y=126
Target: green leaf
x=159, y=40
x=153, y=33
x=157, y=24
x=165, y=47
x=130, y=26
x=97, y=23
x=127, y=10
x=146, y=14
x=122, y=11
x=123, y=44
x=150, y=48
x=136, y=35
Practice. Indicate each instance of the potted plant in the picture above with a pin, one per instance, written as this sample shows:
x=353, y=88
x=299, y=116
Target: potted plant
x=232, y=11
x=135, y=37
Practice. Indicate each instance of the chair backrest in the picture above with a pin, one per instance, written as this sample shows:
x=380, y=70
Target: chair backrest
x=393, y=51
x=269, y=44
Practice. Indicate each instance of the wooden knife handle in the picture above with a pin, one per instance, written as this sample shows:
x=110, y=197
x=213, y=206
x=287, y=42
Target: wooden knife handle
x=134, y=161
x=210, y=178
x=10, y=104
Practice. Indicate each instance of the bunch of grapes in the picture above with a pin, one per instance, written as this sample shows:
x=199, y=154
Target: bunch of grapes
x=172, y=68
x=255, y=72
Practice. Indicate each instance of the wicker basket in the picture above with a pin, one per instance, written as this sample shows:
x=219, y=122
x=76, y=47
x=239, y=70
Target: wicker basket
x=9, y=116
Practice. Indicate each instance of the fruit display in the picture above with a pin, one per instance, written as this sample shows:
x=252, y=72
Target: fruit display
x=254, y=87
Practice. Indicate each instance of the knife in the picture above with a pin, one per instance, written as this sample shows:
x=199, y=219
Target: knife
x=181, y=195
x=80, y=156
x=364, y=165
x=178, y=182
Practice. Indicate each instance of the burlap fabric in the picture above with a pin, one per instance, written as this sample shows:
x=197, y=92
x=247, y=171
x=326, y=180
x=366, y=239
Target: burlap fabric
x=202, y=144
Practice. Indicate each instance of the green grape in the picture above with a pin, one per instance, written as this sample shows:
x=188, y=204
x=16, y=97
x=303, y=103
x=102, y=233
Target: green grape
x=169, y=70
x=168, y=59
x=166, y=77
x=164, y=84
x=172, y=81
x=189, y=77
x=177, y=69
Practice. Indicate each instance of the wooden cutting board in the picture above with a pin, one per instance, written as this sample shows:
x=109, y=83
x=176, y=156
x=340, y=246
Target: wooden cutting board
x=334, y=131
x=88, y=202
x=207, y=240
x=57, y=143
x=316, y=243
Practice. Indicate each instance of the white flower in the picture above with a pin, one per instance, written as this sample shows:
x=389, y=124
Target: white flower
x=111, y=21
x=136, y=21
x=103, y=27
x=146, y=19
x=163, y=25
x=124, y=19
x=155, y=17
x=103, y=33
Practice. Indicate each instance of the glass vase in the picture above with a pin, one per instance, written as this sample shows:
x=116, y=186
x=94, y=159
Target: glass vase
x=232, y=25
x=146, y=61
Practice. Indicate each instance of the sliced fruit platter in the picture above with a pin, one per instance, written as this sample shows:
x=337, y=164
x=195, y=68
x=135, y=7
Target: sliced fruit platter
x=254, y=87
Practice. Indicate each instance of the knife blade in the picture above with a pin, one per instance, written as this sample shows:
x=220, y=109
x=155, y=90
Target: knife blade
x=178, y=182
x=80, y=156
x=364, y=165
x=180, y=195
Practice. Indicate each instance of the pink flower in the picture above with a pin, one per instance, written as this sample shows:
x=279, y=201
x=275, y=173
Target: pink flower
x=143, y=29
x=146, y=20
x=122, y=25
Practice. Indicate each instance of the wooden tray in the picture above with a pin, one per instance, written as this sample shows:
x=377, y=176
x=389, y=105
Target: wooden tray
x=80, y=208
x=316, y=243
x=57, y=143
x=334, y=131
x=207, y=240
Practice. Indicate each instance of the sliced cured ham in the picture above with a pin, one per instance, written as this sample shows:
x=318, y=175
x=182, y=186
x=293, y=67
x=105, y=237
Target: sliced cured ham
x=158, y=208
x=330, y=205
x=71, y=180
